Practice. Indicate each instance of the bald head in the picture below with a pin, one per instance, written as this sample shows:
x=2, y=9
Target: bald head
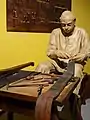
x=67, y=16
x=67, y=21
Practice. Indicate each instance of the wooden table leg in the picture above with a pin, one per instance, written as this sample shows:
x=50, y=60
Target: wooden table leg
x=10, y=116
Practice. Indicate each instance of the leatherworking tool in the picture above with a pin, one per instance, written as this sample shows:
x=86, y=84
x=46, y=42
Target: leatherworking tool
x=35, y=78
x=28, y=85
x=49, y=80
x=40, y=89
x=33, y=74
x=42, y=79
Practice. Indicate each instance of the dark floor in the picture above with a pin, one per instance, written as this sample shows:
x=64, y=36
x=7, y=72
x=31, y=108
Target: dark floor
x=85, y=110
x=17, y=117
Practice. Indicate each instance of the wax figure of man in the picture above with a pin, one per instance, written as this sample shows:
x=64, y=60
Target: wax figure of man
x=66, y=43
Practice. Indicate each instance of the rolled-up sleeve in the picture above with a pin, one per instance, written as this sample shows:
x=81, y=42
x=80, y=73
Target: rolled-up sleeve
x=52, y=47
x=85, y=45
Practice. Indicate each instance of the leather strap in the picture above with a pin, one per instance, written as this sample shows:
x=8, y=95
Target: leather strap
x=44, y=101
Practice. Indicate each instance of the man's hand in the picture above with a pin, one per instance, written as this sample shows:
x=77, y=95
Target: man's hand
x=62, y=54
x=78, y=57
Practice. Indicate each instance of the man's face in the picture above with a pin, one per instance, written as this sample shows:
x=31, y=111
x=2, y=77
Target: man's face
x=67, y=26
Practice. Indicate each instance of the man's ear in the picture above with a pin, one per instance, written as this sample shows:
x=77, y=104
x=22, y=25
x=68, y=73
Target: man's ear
x=75, y=20
x=60, y=19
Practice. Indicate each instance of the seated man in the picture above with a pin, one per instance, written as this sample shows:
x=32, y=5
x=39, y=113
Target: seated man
x=66, y=43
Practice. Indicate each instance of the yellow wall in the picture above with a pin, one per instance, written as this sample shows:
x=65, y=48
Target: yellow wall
x=17, y=48
x=81, y=9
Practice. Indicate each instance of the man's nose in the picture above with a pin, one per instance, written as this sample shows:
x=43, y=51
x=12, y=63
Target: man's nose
x=66, y=27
